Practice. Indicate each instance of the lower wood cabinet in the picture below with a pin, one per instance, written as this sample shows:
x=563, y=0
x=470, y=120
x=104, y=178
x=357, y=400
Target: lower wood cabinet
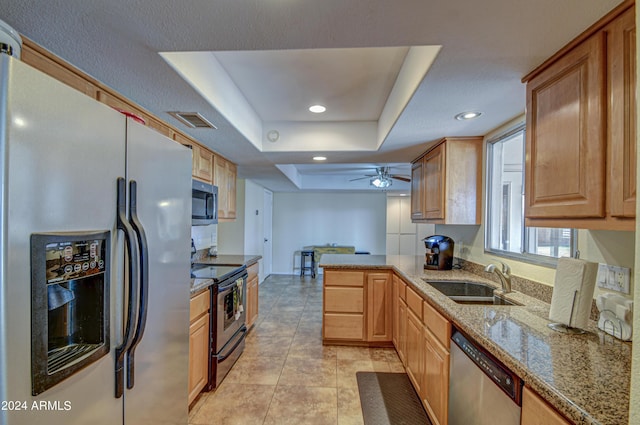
x=379, y=313
x=414, y=353
x=435, y=378
x=357, y=307
x=198, y=344
x=252, y=294
x=536, y=411
x=399, y=307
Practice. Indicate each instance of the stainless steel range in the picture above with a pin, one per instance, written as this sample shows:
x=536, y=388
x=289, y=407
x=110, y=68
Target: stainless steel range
x=228, y=307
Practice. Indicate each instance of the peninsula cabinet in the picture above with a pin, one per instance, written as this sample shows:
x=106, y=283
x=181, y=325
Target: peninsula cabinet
x=536, y=411
x=446, y=182
x=357, y=307
x=198, y=344
x=414, y=352
x=580, y=168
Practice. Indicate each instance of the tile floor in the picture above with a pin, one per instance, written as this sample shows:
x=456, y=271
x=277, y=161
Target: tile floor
x=286, y=375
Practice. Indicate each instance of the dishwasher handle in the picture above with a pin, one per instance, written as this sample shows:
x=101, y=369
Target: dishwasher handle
x=505, y=379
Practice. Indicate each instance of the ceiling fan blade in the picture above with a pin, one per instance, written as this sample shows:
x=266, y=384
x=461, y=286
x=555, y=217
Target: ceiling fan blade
x=360, y=178
x=404, y=179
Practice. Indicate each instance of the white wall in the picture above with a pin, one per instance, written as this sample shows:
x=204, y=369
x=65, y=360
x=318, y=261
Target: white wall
x=313, y=218
x=254, y=222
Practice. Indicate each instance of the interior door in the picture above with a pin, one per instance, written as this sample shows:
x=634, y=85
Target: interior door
x=267, y=253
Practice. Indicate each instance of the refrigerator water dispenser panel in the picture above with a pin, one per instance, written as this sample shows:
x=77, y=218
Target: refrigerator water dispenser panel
x=70, y=304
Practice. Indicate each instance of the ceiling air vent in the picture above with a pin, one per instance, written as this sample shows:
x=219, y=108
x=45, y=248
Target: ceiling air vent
x=192, y=119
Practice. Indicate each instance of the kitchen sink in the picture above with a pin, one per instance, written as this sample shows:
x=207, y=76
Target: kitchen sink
x=464, y=292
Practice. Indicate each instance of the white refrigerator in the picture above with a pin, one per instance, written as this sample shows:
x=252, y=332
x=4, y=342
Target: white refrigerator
x=84, y=282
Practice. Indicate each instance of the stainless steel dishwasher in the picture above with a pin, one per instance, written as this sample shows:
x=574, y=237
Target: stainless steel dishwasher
x=482, y=391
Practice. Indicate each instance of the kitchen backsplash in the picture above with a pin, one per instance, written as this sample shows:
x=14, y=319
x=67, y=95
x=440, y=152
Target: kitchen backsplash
x=528, y=287
x=205, y=237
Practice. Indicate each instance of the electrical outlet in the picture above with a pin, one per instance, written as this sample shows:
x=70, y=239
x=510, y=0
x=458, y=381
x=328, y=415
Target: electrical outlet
x=614, y=278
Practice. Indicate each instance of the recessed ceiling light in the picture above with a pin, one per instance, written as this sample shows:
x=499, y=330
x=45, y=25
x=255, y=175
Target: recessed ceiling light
x=317, y=109
x=467, y=115
x=319, y=158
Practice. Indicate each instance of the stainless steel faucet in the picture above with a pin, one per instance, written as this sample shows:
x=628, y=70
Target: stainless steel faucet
x=504, y=275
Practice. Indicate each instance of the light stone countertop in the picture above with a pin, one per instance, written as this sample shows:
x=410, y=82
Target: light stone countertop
x=586, y=377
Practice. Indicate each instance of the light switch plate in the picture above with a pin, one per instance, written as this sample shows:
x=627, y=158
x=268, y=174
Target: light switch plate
x=615, y=278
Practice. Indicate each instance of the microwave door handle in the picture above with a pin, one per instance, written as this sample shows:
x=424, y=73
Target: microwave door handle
x=144, y=281
x=132, y=250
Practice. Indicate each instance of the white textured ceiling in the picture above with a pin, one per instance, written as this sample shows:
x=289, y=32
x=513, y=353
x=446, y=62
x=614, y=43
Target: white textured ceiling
x=487, y=47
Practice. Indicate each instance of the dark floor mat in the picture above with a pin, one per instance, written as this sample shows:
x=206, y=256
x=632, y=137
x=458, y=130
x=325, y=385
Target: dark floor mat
x=389, y=399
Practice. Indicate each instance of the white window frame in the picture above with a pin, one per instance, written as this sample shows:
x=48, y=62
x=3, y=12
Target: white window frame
x=523, y=256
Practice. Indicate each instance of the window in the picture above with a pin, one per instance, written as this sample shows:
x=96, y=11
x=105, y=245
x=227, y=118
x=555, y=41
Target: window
x=506, y=233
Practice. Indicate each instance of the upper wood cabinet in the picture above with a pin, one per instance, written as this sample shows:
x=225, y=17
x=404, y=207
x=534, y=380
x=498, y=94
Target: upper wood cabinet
x=202, y=160
x=580, y=166
x=224, y=176
x=446, y=182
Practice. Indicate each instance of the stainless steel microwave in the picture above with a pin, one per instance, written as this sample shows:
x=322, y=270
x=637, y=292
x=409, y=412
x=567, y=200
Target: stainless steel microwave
x=204, y=204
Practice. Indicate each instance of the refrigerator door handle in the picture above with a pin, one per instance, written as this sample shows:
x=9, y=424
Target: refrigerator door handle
x=144, y=281
x=132, y=248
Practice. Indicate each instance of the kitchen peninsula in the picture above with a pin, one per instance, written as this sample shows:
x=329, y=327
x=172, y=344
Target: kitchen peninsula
x=584, y=377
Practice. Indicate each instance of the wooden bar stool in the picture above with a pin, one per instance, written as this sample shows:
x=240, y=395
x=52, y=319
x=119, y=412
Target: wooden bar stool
x=303, y=262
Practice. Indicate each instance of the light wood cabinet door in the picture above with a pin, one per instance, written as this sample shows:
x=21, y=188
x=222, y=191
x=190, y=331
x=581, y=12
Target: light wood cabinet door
x=446, y=183
x=395, y=299
x=198, y=355
x=203, y=162
x=621, y=68
x=435, y=378
x=252, y=301
x=536, y=411
x=401, y=348
x=379, y=307
x=224, y=176
x=434, y=190
x=417, y=190
x=565, y=138
x=414, y=350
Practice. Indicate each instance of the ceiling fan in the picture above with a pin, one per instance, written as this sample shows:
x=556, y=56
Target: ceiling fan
x=382, y=178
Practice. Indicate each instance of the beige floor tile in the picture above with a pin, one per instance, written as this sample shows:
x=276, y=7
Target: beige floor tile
x=256, y=370
x=308, y=372
x=270, y=327
x=349, y=409
x=313, y=351
x=362, y=353
x=200, y=401
x=235, y=404
x=267, y=346
x=303, y=405
x=347, y=370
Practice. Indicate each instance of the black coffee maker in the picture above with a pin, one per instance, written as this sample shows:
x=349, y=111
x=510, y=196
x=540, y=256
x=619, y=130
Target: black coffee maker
x=439, y=254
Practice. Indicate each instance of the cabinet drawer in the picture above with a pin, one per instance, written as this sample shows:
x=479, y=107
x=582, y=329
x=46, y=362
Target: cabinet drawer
x=198, y=305
x=343, y=278
x=344, y=300
x=437, y=324
x=343, y=326
x=414, y=302
x=253, y=271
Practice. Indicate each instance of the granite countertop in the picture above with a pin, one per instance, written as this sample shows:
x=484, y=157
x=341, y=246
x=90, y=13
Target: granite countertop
x=586, y=377
x=199, y=285
x=229, y=260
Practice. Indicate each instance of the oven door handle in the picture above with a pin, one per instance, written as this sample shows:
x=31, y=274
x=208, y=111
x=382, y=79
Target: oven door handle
x=144, y=281
x=223, y=357
x=233, y=284
x=132, y=249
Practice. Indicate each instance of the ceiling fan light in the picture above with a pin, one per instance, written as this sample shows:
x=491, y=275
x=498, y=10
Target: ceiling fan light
x=381, y=182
